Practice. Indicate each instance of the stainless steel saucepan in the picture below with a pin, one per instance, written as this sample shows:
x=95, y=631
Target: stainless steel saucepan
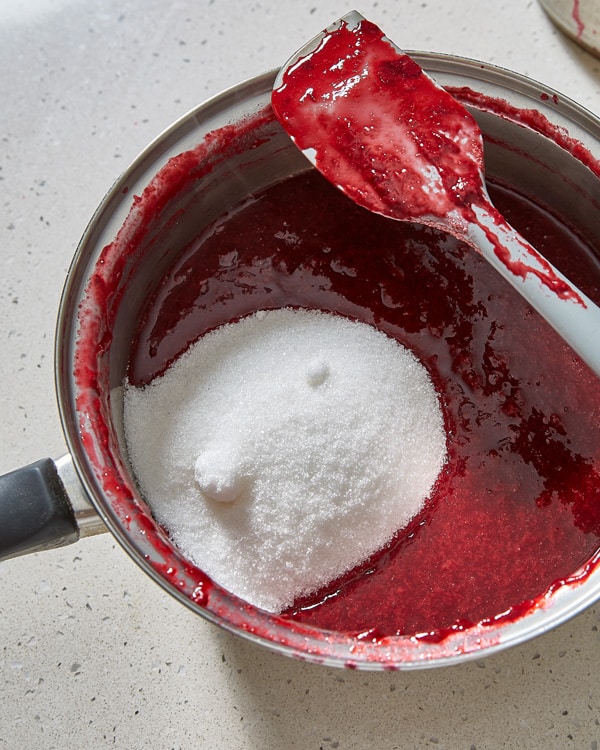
x=125, y=251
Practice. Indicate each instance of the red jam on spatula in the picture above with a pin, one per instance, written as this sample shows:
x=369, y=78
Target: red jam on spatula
x=381, y=130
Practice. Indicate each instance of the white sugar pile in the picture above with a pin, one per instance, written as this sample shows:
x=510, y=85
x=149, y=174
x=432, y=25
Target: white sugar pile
x=282, y=450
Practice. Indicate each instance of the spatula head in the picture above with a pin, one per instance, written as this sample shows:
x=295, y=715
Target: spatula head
x=378, y=127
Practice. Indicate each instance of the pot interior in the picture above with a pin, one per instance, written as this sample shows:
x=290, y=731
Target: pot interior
x=141, y=229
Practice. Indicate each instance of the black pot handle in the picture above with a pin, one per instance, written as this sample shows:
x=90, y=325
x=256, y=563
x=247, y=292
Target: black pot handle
x=38, y=513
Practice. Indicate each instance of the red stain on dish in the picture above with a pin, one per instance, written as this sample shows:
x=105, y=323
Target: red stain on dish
x=576, y=14
x=517, y=509
x=394, y=141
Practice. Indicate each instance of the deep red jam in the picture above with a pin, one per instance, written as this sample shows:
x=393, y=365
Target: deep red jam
x=381, y=130
x=518, y=505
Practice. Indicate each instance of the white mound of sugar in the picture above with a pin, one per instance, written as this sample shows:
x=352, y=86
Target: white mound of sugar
x=282, y=450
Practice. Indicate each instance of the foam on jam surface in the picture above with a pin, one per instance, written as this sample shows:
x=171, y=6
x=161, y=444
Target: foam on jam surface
x=518, y=507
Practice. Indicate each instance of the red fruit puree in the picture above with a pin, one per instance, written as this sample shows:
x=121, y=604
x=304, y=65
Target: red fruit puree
x=517, y=508
x=381, y=129
x=395, y=142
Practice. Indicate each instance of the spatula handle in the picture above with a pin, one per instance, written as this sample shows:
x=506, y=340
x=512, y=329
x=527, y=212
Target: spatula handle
x=574, y=316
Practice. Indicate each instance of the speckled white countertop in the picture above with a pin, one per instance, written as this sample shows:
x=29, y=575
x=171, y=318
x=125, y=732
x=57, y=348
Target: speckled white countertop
x=92, y=653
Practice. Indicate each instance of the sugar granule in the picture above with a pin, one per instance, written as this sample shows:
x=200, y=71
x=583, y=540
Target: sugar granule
x=282, y=450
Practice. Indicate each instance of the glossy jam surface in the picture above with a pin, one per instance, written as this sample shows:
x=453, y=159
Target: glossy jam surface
x=386, y=134
x=381, y=129
x=518, y=507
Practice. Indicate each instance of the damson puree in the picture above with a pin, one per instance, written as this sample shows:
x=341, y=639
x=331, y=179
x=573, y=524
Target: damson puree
x=517, y=506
